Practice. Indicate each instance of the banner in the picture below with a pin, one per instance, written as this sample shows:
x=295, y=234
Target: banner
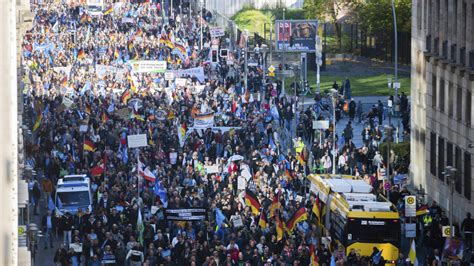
x=198, y=72
x=217, y=32
x=66, y=70
x=189, y=214
x=296, y=35
x=128, y=20
x=102, y=70
x=203, y=121
x=148, y=66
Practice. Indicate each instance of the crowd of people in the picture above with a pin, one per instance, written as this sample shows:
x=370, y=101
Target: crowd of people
x=211, y=143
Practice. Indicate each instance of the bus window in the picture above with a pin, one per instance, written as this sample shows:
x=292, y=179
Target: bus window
x=76, y=198
x=369, y=230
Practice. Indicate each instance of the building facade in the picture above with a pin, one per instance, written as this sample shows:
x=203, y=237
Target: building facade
x=442, y=84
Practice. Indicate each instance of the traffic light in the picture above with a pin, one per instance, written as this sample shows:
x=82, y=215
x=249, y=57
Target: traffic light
x=214, y=58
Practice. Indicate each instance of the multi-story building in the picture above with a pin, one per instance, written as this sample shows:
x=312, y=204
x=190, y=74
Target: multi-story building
x=442, y=84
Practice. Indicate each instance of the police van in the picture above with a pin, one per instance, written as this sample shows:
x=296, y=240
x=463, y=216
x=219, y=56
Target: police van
x=73, y=192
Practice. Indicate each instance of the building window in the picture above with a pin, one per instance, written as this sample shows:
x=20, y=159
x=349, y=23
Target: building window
x=459, y=104
x=467, y=175
x=450, y=99
x=418, y=14
x=441, y=95
x=434, y=91
x=458, y=166
x=433, y=154
x=468, y=108
x=440, y=158
x=449, y=153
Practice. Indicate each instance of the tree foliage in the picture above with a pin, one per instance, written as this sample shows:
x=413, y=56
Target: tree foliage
x=376, y=15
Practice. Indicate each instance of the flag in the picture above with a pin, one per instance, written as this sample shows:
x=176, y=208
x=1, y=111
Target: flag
x=299, y=216
x=84, y=18
x=276, y=205
x=64, y=81
x=109, y=10
x=333, y=261
x=262, y=222
x=140, y=226
x=88, y=109
x=126, y=96
x=89, y=146
x=130, y=46
x=422, y=210
x=98, y=170
x=316, y=210
x=160, y=191
x=314, y=258
x=39, y=120
x=137, y=116
x=104, y=117
x=148, y=175
x=124, y=152
x=150, y=136
x=412, y=254
x=219, y=219
x=280, y=228
x=81, y=54
x=116, y=53
x=252, y=201
x=138, y=32
x=377, y=257
x=180, y=47
x=288, y=174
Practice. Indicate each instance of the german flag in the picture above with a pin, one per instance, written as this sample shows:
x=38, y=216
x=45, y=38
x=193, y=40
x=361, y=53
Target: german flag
x=422, y=210
x=64, y=81
x=301, y=159
x=280, y=227
x=116, y=53
x=104, y=117
x=288, y=174
x=84, y=18
x=126, y=96
x=88, y=109
x=299, y=216
x=130, y=46
x=81, y=54
x=252, y=201
x=136, y=57
x=108, y=11
x=169, y=60
x=150, y=136
x=137, y=116
x=316, y=209
x=276, y=205
x=98, y=169
x=139, y=32
x=89, y=146
x=263, y=222
x=180, y=47
x=312, y=253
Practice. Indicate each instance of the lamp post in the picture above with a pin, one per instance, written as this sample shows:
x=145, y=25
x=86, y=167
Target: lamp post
x=246, y=58
x=450, y=175
x=388, y=134
x=396, y=47
x=264, y=50
x=200, y=22
x=334, y=95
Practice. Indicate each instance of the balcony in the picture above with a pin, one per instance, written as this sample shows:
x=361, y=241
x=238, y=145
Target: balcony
x=453, y=53
x=445, y=50
x=462, y=56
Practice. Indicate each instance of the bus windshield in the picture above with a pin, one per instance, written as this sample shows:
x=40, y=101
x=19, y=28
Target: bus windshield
x=74, y=198
x=372, y=230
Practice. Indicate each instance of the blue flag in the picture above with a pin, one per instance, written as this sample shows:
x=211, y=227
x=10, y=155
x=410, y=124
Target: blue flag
x=219, y=217
x=161, y=192
x=124, y=155
x=377, y=257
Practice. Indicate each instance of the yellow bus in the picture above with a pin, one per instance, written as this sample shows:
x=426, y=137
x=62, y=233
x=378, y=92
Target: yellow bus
x=356, y=217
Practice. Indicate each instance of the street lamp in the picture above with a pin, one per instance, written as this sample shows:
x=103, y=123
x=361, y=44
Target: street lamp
x=450, y=175
x=334, y=94
x=264, y=50
x=388, y=134
x=396, y=48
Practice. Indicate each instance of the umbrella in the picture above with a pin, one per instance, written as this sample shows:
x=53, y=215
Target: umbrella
x=235, y=157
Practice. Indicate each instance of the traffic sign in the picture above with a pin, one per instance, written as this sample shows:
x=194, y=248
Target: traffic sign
x=286, y=73
x=447, y=231
x=410, y=206
x=271, y=68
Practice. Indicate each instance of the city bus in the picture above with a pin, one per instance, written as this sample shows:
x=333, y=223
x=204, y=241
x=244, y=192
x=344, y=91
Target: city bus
x=73, y=192
x=356, y=217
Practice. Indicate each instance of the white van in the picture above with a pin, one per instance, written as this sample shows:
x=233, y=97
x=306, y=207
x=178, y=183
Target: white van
x=73, y=192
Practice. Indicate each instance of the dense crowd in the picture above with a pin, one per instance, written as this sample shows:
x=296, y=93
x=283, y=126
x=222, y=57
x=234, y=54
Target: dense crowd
x=84, y=96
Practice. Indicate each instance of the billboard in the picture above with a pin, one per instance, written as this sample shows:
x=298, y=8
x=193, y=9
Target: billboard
x=296, y=35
